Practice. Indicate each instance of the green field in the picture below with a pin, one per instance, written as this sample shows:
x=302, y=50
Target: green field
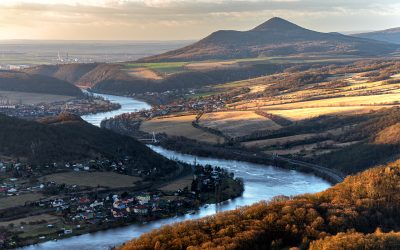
x=162, y=67
x=177, y=67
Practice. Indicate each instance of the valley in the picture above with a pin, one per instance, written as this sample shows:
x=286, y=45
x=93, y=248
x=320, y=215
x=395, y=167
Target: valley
x=272, y=137
x=71, y=189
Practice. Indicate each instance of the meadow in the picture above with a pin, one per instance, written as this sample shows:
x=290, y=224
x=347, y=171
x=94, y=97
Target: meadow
x=93, y=179
x=31, y=98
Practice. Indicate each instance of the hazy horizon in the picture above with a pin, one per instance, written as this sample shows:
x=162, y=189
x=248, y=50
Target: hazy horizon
x=32, y=41
x=177, y=20
x=34, y=52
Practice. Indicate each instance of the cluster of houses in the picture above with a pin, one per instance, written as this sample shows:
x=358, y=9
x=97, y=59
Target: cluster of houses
x=182, y=106
x=121, y=166
x=16, y=186
x=9, y=184
x=109, y=208
x=13, y=66
x=15, y=177
x=82, y=208
x=5, y=241
x=195, y=105
x=78, y=106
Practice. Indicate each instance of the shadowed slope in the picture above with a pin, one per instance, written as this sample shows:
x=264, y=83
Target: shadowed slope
x=69, y=138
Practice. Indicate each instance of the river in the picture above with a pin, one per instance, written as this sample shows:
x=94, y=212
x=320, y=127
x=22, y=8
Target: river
x=261, y=183
x=128, y=105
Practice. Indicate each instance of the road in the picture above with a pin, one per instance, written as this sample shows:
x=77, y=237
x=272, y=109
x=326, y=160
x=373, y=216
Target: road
x=335, y=175
x=332, y=175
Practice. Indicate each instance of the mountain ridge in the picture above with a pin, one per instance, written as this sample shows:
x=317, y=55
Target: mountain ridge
x=388, y=35
x=275, y=37
x=276, y=23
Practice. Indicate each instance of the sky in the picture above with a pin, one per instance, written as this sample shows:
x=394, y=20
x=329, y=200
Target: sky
x=183, y=19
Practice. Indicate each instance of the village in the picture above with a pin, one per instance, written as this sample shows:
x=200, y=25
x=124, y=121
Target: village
x=182, y=102
x=89, y=104
x=57, y=210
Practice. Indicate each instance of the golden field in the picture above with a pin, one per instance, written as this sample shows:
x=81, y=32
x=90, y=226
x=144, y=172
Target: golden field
x=179, y=126
x=358, y=95
x=237, y=123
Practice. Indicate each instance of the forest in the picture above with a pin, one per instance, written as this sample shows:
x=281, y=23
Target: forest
x=378, y=134
x=366, y=203
x=69, y=138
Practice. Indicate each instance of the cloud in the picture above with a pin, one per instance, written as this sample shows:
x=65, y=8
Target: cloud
x=148, y=19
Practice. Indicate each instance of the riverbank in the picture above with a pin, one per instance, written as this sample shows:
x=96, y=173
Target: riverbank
x=225, y=151
x=187, y=146
x=65, y=216
x=262, y=182
x=128, y=124
x=79, y=106
x=145, y=98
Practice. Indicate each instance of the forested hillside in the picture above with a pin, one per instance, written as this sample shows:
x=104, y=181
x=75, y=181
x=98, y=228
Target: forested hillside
x=356, y=241
x=378, y=139
x=361, y=203
x=68, y=138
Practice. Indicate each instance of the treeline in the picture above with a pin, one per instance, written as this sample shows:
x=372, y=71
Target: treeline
x=313, y=125
x=377, y=134
x=293, y=81
x=295, y=77
x=361, y=203
x=379, y=141
x=366, y=65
